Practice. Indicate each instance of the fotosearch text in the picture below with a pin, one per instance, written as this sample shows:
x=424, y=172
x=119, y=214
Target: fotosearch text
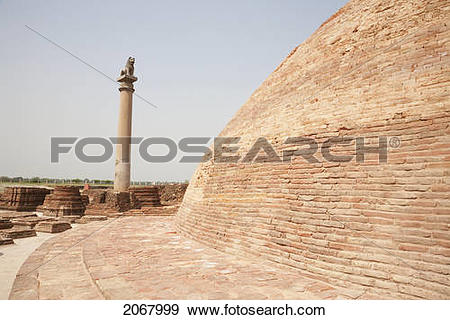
x=230, y=149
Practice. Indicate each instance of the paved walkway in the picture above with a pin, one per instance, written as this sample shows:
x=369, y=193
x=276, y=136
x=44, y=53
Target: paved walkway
x=12, y=256
x=144, y=258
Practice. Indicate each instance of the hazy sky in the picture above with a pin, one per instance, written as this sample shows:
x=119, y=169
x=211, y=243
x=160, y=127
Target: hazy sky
x=199, y=61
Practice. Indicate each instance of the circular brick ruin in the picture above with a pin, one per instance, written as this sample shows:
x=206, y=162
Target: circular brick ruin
x=375, y=68
x=64, y=201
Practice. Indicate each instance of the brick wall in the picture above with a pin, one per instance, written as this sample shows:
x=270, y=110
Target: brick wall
x=375, y=68
x=172, y=193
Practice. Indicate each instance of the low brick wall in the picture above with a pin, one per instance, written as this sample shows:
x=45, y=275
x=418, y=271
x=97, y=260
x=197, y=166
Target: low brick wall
x=106, y=201
x=23, y=198
x=172, y=193
x=376, y=68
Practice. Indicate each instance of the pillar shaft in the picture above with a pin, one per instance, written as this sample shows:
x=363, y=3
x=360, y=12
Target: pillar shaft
x=123, y=147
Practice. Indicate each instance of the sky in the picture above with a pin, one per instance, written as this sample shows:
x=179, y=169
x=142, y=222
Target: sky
x=198, y=61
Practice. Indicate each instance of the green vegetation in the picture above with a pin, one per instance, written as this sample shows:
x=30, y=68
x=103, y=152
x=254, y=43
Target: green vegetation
x=50, y=181
x=8, y=181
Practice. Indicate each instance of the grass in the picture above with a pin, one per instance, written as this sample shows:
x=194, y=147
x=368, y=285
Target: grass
x=3, y=185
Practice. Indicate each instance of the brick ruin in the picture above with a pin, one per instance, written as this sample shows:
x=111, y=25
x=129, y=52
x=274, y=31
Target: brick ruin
x=147, y=196
x=5, y=240
x=106, y=201
x=375, y=68
x=63, y=201
x=15, y=225
x=172, y=193
x=52, y=226
x=69, y=201
x=65, y=205
x=23, y=198
x=139, y=199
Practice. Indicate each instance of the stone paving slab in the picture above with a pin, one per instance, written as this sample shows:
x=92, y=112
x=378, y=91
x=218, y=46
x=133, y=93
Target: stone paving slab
x=52, y=226
x=145, y=258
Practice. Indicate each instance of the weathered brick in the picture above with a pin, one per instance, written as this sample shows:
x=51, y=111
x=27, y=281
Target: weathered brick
x=391, y=219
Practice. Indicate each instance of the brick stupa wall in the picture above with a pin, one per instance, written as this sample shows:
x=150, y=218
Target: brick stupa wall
x=375, y=68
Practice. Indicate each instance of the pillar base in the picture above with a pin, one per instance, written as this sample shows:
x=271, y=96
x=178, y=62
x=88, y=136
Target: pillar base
x=122, y=177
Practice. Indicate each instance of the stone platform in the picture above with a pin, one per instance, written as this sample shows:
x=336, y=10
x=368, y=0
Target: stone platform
x=7, y=214
x=30, y=222
x=52, y=226
x=4, y=240
x=18, y=232
x=5, y=223
x=144, y=258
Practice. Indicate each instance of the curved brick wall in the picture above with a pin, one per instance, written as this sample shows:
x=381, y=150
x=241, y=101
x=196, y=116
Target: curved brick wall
x=374, y=68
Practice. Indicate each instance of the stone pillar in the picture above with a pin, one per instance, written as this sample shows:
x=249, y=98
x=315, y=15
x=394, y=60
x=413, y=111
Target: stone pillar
x=123, y=147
